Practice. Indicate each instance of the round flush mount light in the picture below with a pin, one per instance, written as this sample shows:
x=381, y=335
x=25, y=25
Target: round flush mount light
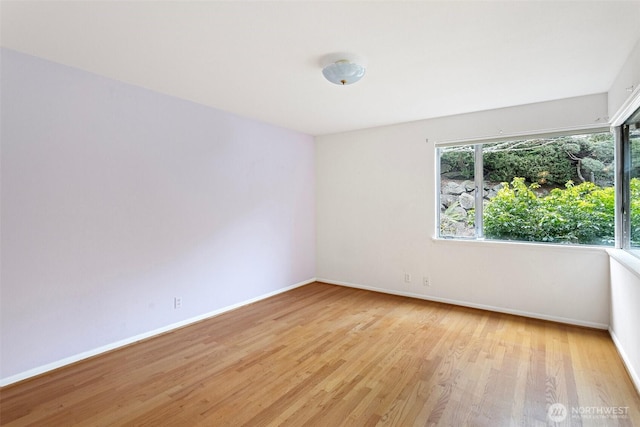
x=342, y=69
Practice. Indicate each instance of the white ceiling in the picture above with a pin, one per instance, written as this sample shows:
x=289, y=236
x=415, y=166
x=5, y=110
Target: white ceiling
x=261, y=59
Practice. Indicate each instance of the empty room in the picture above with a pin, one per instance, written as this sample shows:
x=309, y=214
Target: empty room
x=319, y=213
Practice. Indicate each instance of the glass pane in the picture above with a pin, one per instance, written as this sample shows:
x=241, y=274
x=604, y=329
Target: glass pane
x=457, y=203
x=551, y=190
x=634, y=185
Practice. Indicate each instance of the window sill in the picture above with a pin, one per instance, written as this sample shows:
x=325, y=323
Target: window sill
x=629, y=261
x=530, y=245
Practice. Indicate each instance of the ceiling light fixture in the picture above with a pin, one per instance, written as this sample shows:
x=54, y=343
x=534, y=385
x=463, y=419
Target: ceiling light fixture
x=342, y=70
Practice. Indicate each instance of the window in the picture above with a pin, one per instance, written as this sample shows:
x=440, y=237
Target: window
x=630, y=134
x=551, y=189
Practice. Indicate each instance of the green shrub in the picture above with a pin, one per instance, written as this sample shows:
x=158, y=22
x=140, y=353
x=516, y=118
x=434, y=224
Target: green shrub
x=512, y=214
x=577, y=214
x=457, y=164
x=546, y=164
x=635, y=211
x=552, y=161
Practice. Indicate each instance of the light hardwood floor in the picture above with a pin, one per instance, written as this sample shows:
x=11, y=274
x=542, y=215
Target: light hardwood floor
x=324, y=355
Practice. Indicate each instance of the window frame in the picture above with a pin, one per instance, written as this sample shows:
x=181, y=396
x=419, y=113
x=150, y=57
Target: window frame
x=623, y=145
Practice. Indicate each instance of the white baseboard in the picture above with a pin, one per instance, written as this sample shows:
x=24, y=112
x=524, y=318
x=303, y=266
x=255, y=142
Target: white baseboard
x=105, y=348
x=635, y=377
x=472, y=305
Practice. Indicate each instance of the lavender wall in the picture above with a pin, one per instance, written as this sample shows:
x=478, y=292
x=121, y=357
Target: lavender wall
x=115, y=199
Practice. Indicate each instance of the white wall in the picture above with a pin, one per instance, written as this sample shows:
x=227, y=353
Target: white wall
x=115, y=199
x=376, y=219
x=626, y=86
x=625, y=315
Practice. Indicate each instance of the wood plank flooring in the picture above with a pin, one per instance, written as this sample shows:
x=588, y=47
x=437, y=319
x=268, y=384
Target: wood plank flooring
x=324, y=355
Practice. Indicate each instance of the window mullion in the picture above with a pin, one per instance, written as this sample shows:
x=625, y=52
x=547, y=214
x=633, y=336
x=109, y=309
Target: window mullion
x=622, y=167
x=479, y=185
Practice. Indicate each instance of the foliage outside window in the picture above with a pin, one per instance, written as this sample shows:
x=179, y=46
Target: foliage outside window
x=552, y=190
x=631, y=182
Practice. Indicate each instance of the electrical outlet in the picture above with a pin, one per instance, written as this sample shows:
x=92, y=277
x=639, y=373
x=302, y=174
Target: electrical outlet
x=407, y=278
x=177, y=303
x=426, y=282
